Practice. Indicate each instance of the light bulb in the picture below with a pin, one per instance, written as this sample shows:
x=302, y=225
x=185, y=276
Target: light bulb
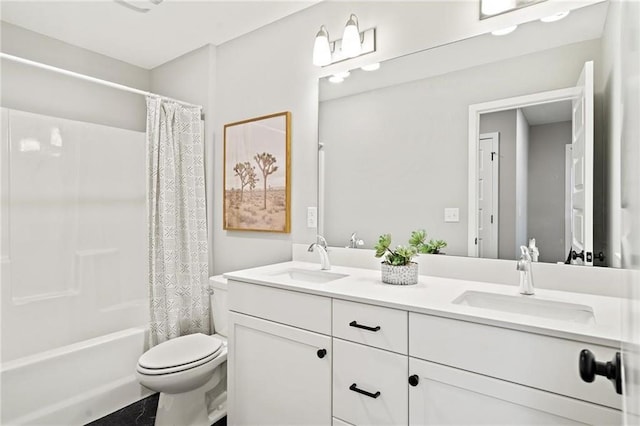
x=371, y=67
x=555, y=17
x=494, y=7
x=321, y=48
x=504, y=31
x=351, y=44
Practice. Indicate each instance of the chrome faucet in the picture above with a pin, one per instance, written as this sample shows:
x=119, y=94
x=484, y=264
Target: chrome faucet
x=321, y=247
x=526, y=275
x=354, y=241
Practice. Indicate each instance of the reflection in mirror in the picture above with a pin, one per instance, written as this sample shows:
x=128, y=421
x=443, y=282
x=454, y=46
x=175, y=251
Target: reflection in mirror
x=394, y=142
x=489, y=8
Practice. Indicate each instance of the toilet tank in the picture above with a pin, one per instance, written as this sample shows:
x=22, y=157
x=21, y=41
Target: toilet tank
x=219, y=310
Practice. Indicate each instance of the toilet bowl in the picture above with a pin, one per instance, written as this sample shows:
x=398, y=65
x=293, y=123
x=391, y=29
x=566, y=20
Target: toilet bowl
x=190, y=371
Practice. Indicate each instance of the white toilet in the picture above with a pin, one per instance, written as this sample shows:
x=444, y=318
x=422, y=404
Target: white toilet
x=190, y=372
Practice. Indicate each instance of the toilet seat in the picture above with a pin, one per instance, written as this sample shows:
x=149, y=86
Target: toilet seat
x=180, y=354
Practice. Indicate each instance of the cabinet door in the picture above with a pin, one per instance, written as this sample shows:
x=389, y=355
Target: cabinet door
x=448, y=396
x=277, y=376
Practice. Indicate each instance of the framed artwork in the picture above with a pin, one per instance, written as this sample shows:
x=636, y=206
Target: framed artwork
x=257, y=170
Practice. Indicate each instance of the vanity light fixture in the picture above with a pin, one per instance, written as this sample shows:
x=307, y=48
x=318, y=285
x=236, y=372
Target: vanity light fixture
x=555, y=17
x=504, y=31
x=353, y=43
x=371, y=67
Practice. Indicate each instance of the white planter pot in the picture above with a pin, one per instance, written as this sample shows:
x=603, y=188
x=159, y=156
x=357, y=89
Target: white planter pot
x=400, y=275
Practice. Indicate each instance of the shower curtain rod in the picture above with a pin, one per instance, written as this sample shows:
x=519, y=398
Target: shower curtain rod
x=93, y=79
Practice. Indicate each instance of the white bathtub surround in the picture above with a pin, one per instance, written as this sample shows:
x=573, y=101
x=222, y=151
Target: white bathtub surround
x=178, y=248
x=74, y=384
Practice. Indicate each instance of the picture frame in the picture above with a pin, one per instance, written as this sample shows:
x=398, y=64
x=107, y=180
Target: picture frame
x=257, y=174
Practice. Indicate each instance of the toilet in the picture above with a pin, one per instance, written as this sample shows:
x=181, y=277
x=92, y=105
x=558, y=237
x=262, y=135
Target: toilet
x=190, y=372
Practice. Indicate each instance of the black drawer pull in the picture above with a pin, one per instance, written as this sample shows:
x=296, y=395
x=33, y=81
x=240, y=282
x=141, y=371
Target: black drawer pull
x=364, y=327
x=354, y=388
x=321, y=353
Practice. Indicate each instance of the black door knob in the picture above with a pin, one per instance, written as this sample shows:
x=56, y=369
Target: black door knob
x=321, y=353
x=590, y=368
x=414, y=380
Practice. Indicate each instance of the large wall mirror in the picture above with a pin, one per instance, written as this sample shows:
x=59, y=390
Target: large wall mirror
x=394, y=149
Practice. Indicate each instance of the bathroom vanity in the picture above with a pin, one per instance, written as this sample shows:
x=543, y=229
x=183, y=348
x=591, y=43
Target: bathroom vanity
x=339, y=347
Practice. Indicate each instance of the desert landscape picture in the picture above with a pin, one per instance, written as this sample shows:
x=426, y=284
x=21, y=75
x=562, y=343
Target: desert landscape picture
x=256, y=193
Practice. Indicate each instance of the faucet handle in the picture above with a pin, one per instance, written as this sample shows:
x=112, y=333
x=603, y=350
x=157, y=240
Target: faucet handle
x=321, y=241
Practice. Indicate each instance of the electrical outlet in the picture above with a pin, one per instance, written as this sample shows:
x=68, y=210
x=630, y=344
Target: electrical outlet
x=452, y=214
x=312, y=217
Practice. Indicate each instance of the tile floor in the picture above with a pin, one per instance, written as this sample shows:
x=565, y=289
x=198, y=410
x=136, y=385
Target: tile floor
x=141, y=413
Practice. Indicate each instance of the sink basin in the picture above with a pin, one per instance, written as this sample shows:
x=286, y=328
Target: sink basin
x=309, y=276
x=526, y=305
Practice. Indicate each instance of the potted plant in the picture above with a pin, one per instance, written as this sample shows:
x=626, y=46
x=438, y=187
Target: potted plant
x=398, y=267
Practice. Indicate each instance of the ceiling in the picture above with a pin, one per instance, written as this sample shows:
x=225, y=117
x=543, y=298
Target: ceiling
x=166, y=31
x=554, y=112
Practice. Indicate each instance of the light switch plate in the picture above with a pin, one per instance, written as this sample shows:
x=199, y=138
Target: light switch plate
x=312, y=217
x=452, y=214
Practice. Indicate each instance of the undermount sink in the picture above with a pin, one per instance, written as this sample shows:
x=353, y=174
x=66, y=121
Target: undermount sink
x=310, y=276
x=526, y=305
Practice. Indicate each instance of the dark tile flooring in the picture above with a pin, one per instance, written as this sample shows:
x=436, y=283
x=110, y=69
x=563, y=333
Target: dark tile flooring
x=141, y=413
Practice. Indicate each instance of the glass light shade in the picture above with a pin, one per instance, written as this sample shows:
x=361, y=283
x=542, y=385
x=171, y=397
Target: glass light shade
x=336, y=79
x=351, y=44
x=321, y=48
x=371, y=67
x=555, y=17
x=504, y=31
x=343, y=74
x=493, y=7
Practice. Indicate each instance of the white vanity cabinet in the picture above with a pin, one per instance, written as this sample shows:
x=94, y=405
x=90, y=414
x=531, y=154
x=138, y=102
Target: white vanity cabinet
x=467, y=373
x=392, y=366
x=278, y=373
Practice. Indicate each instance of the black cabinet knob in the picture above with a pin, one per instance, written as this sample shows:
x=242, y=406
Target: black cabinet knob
x=321, y=353
x=590, y=368
x=414, y=380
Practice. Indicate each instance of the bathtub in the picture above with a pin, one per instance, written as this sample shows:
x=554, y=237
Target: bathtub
x=74, y=384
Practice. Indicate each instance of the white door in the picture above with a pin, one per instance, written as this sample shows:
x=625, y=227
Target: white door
x=278, y=375
x=488, y=195
x=582, y=170
x=440, y=395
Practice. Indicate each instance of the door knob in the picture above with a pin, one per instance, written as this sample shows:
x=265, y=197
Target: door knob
x=414, y=380
x=590, y=368
x=321, y=353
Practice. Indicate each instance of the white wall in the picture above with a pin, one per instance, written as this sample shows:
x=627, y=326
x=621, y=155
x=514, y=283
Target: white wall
x=29, y=89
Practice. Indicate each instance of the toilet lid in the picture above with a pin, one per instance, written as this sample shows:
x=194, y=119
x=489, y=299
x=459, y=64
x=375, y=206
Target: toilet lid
x=180, y=351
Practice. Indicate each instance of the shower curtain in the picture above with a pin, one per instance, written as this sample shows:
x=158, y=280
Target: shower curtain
x=178, y=249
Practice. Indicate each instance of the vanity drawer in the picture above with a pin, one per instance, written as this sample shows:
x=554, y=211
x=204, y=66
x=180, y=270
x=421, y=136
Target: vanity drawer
x=371, y=325
x=358, y=367
x=542, y=362
x=301, y=310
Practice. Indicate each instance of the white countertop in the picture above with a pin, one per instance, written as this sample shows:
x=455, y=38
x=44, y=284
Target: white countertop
x=434, y=296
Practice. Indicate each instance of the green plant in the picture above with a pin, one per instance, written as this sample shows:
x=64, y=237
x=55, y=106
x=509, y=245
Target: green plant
x=402, y=255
